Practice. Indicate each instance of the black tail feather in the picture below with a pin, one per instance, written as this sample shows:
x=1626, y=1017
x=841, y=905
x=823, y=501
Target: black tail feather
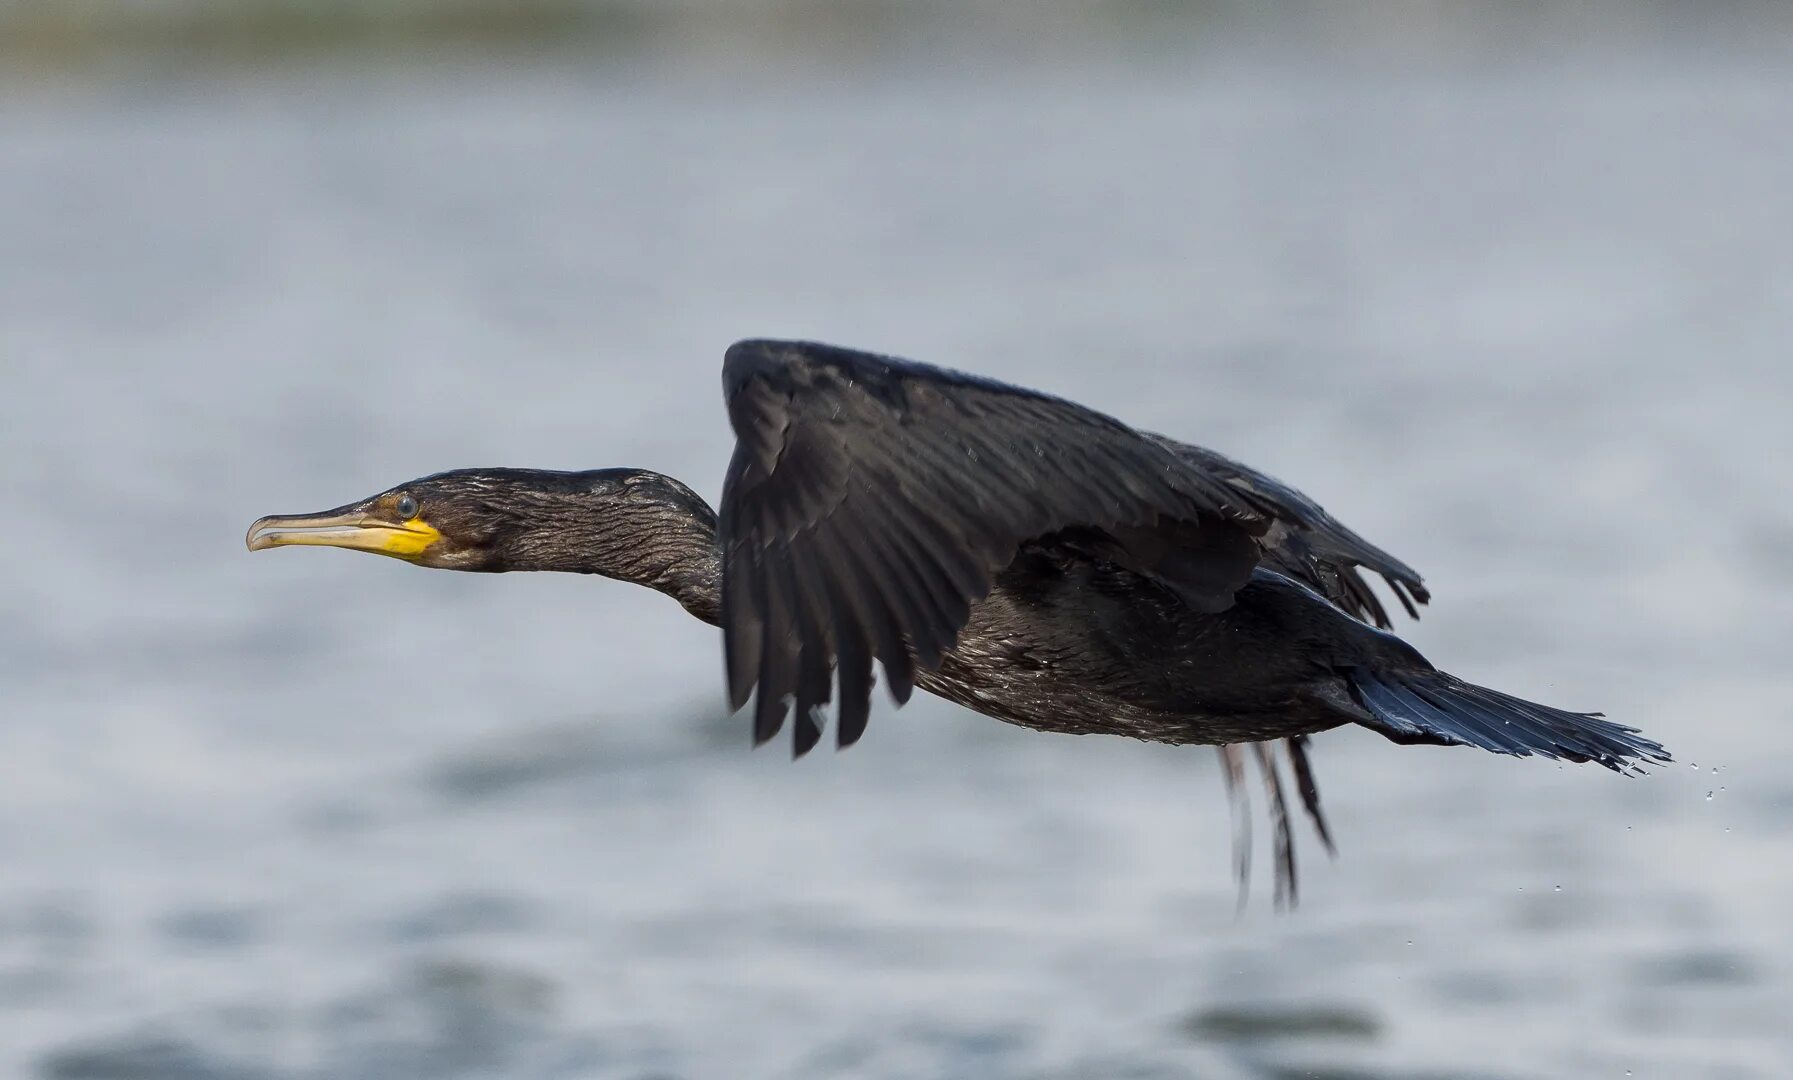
x=1432, y=707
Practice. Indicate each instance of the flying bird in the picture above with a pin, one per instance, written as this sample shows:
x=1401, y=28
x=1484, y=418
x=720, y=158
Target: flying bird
x=1021, y=555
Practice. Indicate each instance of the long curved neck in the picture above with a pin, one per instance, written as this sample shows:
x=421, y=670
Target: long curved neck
x=676, y=556
x=659, y=533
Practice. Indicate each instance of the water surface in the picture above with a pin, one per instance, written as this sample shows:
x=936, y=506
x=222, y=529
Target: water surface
x=314, y=815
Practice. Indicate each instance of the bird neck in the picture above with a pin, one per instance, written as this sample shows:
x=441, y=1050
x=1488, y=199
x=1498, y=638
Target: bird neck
x=666, y=541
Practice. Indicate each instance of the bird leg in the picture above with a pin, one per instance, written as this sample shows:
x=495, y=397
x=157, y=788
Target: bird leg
x=1232, y=770
x=1310, y=791
x=1232, y=761
x=1279, y=820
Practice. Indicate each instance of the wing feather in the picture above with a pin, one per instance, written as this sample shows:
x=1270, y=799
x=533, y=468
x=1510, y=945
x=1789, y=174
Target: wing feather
x=1311, y=545
x=871, y=501
x=778, y=662
x=877, y=613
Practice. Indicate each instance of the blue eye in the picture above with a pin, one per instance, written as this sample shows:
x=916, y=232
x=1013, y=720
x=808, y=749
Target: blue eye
x=407, y=507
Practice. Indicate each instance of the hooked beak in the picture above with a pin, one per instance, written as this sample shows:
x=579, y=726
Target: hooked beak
x=354, y=529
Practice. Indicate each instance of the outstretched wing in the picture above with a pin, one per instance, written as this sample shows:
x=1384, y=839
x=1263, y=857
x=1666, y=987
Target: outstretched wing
x=1310, y=545
x=870, y=502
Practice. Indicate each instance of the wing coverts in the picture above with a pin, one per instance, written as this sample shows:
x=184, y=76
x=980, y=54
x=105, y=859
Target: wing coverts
x=870, y=502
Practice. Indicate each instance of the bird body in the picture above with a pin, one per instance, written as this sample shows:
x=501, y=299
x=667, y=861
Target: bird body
x=1023, y=556
x=874, y=505
x=1073, y=644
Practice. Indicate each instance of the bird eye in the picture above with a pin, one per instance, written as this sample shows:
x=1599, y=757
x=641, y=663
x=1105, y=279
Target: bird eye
x=407, y=507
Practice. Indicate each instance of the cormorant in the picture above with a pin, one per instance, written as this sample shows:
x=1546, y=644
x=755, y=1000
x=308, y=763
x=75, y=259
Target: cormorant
x=1021, y=555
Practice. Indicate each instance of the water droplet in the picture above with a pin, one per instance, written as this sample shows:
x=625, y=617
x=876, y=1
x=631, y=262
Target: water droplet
x=1715, y=770
x=1708, y=796
x=1410, y=944
x=1559, y=888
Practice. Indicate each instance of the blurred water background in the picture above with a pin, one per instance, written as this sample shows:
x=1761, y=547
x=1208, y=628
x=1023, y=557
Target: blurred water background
x=1509, y=289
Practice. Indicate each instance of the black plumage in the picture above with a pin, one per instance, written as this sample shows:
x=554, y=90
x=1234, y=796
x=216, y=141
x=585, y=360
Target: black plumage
x=882, y=509
x=1019, y=554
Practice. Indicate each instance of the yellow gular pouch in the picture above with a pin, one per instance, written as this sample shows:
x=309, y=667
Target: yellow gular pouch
x=409, y=541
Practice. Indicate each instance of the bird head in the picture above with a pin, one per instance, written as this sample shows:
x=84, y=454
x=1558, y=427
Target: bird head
x=489, y=520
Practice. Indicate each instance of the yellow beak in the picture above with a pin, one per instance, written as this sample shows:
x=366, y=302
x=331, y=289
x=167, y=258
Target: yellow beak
x=354, y=529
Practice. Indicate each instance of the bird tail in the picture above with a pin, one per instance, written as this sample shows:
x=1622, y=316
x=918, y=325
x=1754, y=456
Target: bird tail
x=1432, y=707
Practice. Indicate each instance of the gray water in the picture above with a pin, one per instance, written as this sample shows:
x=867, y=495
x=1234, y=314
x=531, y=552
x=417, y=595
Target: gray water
x=310, y=815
